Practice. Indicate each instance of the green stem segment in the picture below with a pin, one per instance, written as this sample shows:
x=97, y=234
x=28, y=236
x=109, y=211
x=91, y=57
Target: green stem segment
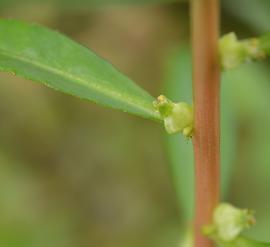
x=206, y=93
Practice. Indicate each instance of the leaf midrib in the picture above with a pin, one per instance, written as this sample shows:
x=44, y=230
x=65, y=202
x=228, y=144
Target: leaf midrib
x=100, y=89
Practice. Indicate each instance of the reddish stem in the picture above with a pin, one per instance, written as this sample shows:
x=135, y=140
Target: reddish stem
x=206, y=93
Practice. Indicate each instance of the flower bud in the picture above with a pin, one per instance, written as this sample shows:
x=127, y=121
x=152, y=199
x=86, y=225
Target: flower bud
x=234, y=52
x=178, y=117
x=229, y=222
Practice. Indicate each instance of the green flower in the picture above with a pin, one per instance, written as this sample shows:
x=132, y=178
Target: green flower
x=177, y=117
x=234, y=52
x=228, y=222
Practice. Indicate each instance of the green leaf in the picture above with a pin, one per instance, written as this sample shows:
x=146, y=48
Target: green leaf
x=179, y=88
x=42, y=55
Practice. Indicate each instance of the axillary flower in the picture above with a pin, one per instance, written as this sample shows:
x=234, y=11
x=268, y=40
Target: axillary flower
x=228, y=223
x=234, y=52
x=177, y=117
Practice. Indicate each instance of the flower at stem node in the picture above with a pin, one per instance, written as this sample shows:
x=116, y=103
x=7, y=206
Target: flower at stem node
x=234, y=52
x=228, y=222
x=177, y=117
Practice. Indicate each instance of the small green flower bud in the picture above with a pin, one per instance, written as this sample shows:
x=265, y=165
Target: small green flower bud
x=229, y=222
x=234, y=52
x=178, y=117
x=231, y=51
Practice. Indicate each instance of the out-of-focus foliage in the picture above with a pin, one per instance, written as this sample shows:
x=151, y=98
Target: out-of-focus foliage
x=253, y=13
x=25, y=218
x=265, y=43
x=82, y=175
x=86, y=3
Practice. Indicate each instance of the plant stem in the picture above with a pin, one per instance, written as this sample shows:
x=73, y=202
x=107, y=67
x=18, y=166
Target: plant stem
x=206, y=94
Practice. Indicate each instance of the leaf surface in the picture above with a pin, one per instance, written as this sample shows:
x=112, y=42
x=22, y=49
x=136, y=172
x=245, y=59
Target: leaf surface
x=39, y=54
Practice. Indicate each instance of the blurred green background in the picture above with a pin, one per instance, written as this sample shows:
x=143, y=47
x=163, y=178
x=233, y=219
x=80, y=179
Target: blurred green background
x=75, y=174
